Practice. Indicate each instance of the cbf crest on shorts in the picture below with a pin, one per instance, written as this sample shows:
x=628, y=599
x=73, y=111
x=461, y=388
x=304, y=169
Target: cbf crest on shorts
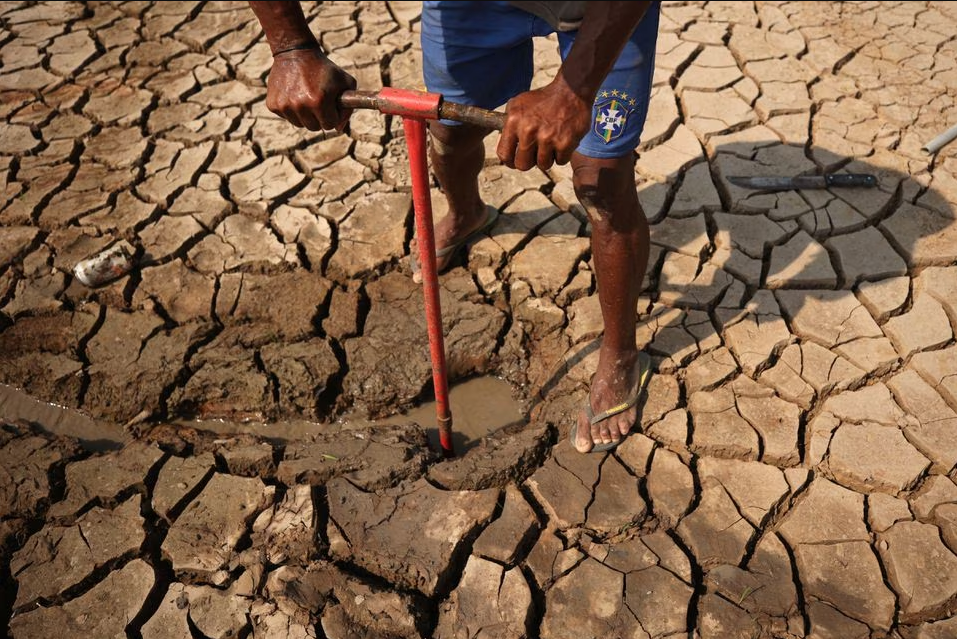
x=612, y=109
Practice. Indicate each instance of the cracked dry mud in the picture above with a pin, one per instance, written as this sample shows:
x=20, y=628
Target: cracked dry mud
x=793, y=473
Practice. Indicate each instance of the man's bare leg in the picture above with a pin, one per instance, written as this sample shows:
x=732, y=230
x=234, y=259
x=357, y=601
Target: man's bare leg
x=457, y=156
x=619, y=239
x=606, y=188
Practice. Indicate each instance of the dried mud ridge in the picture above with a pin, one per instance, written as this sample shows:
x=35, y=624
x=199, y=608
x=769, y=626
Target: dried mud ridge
x=793, y=473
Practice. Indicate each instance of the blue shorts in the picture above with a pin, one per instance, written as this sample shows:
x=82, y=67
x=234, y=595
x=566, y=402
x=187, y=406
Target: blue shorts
x=480, y=53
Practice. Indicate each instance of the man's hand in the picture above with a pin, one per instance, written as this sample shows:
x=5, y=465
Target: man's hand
x=543, y=127
x=304, y=88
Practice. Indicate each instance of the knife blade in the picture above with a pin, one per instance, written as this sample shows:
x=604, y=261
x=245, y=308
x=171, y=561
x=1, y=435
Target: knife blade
x=782, y=183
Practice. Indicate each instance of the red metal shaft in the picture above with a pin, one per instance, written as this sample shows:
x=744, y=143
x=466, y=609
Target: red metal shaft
x=425, y=235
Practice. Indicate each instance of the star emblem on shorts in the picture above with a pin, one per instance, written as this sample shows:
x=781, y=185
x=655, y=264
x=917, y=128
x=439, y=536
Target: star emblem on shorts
x=611, y=114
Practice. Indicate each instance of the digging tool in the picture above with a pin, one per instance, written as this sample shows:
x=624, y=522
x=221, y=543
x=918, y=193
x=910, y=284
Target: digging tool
x=415, y=107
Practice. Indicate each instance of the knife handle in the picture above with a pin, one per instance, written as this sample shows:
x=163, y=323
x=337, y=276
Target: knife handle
x=850, y=179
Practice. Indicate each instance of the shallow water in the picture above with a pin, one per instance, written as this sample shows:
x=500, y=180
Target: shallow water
x=93, y=434
x=480, y=406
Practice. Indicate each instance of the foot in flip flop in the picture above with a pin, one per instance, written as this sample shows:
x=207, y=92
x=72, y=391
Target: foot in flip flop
x=445, y=250
x=602, y=431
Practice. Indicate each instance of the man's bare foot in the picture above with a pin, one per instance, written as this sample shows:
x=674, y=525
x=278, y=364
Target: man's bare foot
x=451, y=232
x=614, y=384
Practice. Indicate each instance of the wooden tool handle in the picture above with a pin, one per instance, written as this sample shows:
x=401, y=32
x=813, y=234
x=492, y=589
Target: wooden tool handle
x=447, y=110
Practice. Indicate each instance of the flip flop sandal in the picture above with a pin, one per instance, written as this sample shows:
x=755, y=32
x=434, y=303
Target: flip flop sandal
x=643, y=366
x=491, y=216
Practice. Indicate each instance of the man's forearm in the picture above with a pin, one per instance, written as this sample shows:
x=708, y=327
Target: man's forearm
x=604, y=31
x=285, y=25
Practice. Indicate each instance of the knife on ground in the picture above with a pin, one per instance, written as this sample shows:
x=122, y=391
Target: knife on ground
x=775, y=183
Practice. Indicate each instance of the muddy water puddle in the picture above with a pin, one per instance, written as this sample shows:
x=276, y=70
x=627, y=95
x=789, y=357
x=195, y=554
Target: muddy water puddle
x=93, y=434
x=480, y=406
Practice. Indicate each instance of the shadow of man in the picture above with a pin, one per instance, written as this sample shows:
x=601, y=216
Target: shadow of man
x=805, y=331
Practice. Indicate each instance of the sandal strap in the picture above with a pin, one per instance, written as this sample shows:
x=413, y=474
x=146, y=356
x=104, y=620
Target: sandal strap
x=611, y=412
x=491, y=214
x=645, y=370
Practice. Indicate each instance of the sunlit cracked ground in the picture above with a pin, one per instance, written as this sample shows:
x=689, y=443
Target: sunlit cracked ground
x=794, y=473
